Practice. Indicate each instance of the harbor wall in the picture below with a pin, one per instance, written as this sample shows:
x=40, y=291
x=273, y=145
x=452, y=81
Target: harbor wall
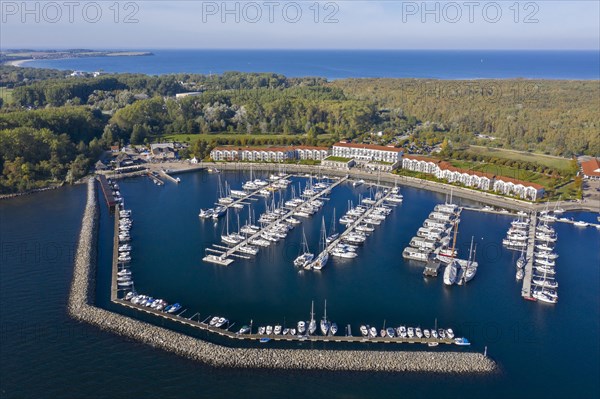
x=81, y=308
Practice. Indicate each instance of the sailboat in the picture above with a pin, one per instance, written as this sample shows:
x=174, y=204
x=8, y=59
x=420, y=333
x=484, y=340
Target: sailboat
x=522, y=260
x=451, y=271
x=312, y=324
x=325, y=325
x=305, y=257
x=321, y=260
x=333, y=235
x=470, y=269
x=557, y=209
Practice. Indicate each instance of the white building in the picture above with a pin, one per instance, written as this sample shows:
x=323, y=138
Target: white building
x=367, y=152
x=268, y=154
x=518, y=188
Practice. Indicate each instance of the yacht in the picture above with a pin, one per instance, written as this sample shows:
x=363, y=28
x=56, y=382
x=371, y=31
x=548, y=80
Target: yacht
x=322, y=258
x=461, y=342
x=451, y=273
x=418, y=332
x=262, y=330
x=244, y=330
x=206, y=213
x=364, y=331
x=333, y=329
x=410, y=332
x=306, y=257
x=426, y=333
x=358, y=183
x=269, y=330
x=372, y=332
x=277, y=330
x=402, y=331
x=543, y=297
x=520, y=274
x=325, y=325
x=219, y=211
x=390, y=332
x=213, y=321
x=416, y=254
x=301, y=327
x=580, y=223
x=312, y=325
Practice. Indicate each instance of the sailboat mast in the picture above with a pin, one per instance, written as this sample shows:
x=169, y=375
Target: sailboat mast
x=454, y=239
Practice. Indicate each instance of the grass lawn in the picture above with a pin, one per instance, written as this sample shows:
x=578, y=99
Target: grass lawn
x=337, y=159
x=507, y=171
x=546, y=160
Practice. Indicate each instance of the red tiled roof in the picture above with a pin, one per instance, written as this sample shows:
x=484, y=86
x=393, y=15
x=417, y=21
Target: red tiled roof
x=591, y=167
x=368, y=146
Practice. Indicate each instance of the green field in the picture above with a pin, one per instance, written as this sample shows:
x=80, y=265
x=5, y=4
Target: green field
x=546, y=160
x=508, y=171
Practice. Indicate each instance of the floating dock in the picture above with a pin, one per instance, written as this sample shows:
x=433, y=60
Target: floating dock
x=223, y=258
x=350, y=228
x=526, y=290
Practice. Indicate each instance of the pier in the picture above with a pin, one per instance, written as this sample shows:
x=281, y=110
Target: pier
x=155, y=179
x=251, y=194
x=168, y=176
x=526, y=290
x=115, y=260
x=223, y=257
x=350, y=228
x=107, y=191
x=224, y=331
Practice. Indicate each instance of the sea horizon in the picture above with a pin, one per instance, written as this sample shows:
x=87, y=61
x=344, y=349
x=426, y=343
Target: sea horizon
x=336, y=64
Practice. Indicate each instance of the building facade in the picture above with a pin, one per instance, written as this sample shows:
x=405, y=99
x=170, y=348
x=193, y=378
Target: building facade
x=472, y=178
x=367, y=152
x=268, y=154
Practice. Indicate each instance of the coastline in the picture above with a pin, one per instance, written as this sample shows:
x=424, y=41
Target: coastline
x=18, y=63
x=81, y=308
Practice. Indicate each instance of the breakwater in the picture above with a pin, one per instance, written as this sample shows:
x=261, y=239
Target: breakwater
x=80, y=307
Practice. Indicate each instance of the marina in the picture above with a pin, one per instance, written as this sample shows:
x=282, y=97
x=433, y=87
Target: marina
x=221, y=256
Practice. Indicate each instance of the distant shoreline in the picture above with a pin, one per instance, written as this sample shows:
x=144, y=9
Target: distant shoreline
x=44, y=56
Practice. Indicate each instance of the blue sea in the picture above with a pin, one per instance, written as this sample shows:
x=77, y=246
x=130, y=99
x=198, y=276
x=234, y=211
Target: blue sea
x=338, y=64
x=548, y=351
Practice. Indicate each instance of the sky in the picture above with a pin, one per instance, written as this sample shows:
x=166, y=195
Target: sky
x=268, y=24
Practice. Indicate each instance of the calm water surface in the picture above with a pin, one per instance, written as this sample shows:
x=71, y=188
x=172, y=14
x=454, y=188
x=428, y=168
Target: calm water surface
x=337, y=64
x=544, y=351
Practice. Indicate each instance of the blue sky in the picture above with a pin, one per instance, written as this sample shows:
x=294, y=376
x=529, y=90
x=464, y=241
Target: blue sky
x=297, y=24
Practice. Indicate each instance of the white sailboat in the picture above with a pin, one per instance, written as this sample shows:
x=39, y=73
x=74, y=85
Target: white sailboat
x=312, y=324
x=325, y=325
x=323, y=257
x=306, y=256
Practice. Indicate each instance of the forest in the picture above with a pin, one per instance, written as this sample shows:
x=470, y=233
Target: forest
x=54, y=126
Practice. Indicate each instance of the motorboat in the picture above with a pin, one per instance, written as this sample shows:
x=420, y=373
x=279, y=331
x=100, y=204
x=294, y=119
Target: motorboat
x=206, y=213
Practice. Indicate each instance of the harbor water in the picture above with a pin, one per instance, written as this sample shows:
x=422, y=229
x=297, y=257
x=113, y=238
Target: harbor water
x=543, y=350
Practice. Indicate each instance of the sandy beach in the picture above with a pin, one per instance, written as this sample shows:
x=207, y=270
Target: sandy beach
x=18, y=63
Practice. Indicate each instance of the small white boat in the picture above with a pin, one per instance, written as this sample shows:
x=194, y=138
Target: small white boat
x=580, y=223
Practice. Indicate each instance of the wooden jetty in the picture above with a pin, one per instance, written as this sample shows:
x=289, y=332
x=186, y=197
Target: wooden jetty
x=155, y=179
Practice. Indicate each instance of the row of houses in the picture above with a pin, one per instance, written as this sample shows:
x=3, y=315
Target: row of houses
x=470, y=178
x=269, y=154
